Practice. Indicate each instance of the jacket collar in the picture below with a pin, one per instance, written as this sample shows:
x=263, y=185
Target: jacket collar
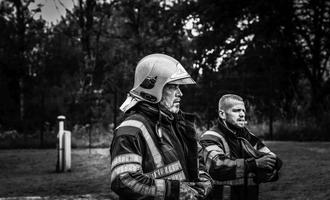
x=155, y=111
x=161, y=114
x=231, y=130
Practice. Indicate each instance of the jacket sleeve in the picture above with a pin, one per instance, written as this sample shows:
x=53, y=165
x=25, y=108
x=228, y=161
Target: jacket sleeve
x=257, y=143
x=265, y=175
x=127, y=177
x=219, y=164
x=203, y=174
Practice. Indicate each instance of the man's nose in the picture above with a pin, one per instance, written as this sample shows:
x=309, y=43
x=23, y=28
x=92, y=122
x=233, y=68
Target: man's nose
x=179, y=93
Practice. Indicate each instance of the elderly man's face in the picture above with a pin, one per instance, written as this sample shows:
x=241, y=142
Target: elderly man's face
x=235, y=113
x=171, y=97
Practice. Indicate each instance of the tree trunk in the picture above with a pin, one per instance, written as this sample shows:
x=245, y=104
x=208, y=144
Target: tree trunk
x=115, y=109
x=21, y=108
x=271, y=120
x=42, y=124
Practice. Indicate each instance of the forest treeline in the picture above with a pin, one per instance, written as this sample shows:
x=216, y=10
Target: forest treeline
x=275, y=54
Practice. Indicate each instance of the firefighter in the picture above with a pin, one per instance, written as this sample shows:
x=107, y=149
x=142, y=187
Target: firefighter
x=235, y=158
x=154, y=152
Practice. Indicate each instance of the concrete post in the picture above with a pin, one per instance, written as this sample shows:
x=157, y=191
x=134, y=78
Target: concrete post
x=67, y=150
x=59, y=166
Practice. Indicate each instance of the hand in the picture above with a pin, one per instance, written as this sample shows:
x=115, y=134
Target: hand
x=264, y=176
x=266, y=162
x=271, y=175
x=187, y=192
x=203, y=187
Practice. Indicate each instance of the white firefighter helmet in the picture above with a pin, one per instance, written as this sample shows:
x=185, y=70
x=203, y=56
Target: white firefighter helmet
x=152, y=73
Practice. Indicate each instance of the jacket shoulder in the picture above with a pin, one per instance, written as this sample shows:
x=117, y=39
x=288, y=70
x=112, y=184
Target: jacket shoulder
x=131, y=125
x=212, y=134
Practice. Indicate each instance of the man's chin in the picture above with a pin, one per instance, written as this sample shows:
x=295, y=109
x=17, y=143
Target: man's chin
x=240, y=125
x=175, y=109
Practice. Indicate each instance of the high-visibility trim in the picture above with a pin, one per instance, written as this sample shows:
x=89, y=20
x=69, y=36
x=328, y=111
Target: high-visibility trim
x=239, y=181
x=158, y=160
x=167, y=170
x=255, y=147
x=138, y=187
x=199, y=147
x=120, y=169
x=226, y=192
x=213, y=154
x=208, y=163
x=240, y=167
x=266, y=150
x=126, y=159
x=225, y=162
x=177, y=176
x=223, y=140
x=215, y=148
x=160, y=189
x=201, y=172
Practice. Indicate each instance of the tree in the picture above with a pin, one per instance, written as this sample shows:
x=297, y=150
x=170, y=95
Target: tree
x=21, y=31
x=310, y=38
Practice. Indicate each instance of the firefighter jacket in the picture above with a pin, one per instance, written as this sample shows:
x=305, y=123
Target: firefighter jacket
x=152, y=152
x=230, y=160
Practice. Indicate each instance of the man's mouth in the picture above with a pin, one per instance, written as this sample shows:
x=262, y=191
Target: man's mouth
x=176, y=101
x=242, y=121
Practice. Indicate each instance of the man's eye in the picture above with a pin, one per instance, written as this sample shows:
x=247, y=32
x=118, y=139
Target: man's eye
x=174, y=87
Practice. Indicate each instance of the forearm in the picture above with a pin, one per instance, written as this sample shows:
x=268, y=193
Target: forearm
x=227, y=169
x=137, y=185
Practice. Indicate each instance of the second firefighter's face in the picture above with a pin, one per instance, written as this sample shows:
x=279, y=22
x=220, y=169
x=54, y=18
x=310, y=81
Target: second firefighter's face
x=171, y=97
x=235, y=114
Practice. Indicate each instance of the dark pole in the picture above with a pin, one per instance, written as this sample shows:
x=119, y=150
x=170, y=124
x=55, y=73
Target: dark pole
x=115, y=109
x=90, y=138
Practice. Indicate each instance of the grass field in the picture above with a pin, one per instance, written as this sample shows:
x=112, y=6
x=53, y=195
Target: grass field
x=305, y=174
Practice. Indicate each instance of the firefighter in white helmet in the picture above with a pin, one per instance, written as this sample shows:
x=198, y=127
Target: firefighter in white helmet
x=154, y=151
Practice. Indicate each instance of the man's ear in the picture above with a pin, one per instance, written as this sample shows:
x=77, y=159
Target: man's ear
x=222, y=114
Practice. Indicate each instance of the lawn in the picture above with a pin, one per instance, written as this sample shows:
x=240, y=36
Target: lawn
x=31, y=172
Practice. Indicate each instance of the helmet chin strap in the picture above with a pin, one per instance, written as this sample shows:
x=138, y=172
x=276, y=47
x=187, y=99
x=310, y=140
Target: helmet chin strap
x=158, y=126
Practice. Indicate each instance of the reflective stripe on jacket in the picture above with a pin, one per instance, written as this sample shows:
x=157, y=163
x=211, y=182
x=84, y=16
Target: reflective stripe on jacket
x=229, y=164
x=147, y=165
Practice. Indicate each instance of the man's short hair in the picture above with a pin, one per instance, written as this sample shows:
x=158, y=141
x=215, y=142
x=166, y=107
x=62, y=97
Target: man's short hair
x=224, y=101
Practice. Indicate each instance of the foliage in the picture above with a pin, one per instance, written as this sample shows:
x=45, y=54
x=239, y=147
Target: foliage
x=273, y=53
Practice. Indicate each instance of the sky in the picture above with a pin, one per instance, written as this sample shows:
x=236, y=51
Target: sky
x=52, y=9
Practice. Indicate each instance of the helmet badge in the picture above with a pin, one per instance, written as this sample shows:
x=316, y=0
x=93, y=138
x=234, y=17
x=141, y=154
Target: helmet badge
x=149, y=82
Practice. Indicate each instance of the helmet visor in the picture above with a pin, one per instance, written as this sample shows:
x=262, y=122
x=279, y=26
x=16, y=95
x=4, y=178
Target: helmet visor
x=183, y=81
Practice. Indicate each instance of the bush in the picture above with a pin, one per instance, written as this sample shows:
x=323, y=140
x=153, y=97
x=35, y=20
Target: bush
x=298, y=130
x=100, y=138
